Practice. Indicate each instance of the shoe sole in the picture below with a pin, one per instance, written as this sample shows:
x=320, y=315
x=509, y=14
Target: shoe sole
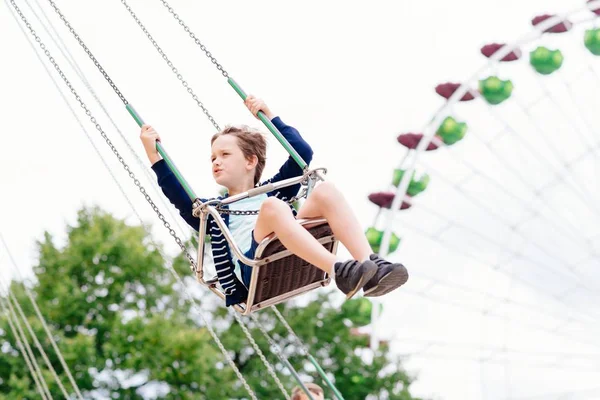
x=396, y=278
x=366, y=277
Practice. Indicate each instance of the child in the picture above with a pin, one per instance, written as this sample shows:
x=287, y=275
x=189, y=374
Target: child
x=238, y=158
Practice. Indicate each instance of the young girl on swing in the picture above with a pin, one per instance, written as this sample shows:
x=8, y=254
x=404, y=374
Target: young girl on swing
x=238, y=158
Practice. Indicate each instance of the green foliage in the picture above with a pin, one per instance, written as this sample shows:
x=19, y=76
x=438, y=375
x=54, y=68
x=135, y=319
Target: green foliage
x=115, y=311
x=335, y=341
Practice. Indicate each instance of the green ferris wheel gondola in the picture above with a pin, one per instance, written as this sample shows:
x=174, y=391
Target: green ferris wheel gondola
x=592, y=41
x=546, y=61
x=495, y=90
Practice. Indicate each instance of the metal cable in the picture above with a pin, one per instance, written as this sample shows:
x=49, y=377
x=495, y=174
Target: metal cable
x=99, y=128
x=170, y=64
x=24, y=353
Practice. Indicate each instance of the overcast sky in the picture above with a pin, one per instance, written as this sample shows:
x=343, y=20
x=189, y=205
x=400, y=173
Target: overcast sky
x=503, y=296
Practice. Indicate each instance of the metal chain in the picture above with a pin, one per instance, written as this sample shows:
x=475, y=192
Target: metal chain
x=223, y=210
x=24, y=353
x=211, y=330
x=136, y=181
x=281, y=356
x=196, y=40
x=29, y=294
x=89, y=53
x=300, y=343
x=173, y=68
x=126, y=167
x=169, y=267
x=261, y=355
x=132, y=175
x=56, y=38
x=36, y=366
x=236, y=212
x=37, y=343
x=304, y=350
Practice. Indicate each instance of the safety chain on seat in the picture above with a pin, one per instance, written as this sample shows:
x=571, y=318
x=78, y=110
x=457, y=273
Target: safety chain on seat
x=314, y=174
x=290, y=202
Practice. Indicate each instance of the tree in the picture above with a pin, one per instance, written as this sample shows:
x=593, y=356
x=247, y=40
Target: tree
x=126, y=331
x=330, y=330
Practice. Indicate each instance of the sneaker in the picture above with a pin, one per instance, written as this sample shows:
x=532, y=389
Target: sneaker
x=351, y=276
x=388, y=277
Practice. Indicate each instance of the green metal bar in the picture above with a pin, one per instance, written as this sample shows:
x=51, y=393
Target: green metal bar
x=325, y=378
x=296, y=377
x=165, y=156
x=134, y=114
x=286, y=145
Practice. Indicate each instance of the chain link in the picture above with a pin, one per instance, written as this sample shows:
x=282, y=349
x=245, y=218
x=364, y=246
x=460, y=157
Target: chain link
x=24, y=353
x=131, y=174
x=304, y=350
x=213, y=333
x=223, y=210
x=275, y=347
x=287, y=326
x=261, y=355
x=71, y=60
x=196, y=40
x=136, y=181
x=173, y=68
x=160, y=216
x=89, y=53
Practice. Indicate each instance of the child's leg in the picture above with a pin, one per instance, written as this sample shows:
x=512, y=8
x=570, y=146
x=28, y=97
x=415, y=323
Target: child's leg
x=276, y=216
x=328, y=202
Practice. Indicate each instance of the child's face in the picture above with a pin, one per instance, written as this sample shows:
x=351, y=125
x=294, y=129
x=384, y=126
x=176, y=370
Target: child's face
x=229, y=165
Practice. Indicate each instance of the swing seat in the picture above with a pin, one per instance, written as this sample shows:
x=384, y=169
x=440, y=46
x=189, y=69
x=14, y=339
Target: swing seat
x=280, y=275
x=277, y=274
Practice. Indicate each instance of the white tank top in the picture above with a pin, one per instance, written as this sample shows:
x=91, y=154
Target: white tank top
x=241, y=226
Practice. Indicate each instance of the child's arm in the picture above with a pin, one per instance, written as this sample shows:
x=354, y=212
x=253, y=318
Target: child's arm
x=290, y=168
x=166, y=179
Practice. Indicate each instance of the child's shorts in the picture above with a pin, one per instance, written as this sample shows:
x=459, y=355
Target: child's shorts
x=246, y=270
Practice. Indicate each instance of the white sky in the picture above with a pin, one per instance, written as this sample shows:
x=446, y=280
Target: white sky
x=350, y=77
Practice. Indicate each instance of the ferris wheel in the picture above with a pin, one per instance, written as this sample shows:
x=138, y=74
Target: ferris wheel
x=498, y=198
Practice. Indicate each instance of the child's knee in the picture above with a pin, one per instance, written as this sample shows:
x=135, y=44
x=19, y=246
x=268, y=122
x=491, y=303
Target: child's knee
x=272, y=207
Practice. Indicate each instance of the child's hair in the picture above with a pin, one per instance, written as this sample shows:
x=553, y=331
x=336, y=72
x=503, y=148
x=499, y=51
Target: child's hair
x=251, y=142
x=312, y=387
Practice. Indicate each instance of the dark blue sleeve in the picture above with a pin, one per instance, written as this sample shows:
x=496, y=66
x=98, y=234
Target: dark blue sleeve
x=290, y=168
x=175, y=193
